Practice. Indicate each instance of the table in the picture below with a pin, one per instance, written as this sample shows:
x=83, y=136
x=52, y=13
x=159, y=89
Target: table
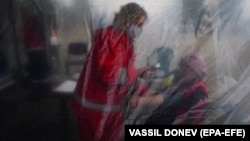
x=64, y=91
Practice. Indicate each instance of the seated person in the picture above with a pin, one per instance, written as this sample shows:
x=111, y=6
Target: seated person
x=185, y=100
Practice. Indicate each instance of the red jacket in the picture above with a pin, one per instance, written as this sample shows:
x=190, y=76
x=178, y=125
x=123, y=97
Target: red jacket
x=111, y=56
x=186, y=104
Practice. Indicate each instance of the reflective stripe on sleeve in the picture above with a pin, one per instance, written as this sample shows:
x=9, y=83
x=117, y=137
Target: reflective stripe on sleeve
x=96, y=106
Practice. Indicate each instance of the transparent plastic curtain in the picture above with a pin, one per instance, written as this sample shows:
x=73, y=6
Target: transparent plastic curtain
x=224, y=42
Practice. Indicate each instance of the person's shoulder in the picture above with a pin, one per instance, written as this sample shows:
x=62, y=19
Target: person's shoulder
x=114, y=30
x=203, y=85
x=111, y=32
x=100, y=32
x=202, y=88
x=105, y=30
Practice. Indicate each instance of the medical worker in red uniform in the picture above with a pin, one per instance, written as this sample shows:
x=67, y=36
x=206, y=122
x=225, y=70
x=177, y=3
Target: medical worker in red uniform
x=108, y=75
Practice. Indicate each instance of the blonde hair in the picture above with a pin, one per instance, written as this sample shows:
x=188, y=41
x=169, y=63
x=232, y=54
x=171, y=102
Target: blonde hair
x=128, y=14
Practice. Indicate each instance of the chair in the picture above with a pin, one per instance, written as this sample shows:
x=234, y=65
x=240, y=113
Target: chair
x=77, y=52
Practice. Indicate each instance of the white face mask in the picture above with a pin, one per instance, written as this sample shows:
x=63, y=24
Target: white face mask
x=134, y=31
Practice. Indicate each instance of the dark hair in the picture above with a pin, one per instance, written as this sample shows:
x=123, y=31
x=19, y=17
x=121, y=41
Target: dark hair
x=128, y=14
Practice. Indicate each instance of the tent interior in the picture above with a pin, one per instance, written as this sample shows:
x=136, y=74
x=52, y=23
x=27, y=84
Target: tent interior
x=35, y=35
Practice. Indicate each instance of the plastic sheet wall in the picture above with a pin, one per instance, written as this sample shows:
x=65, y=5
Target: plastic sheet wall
x=225, y=43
